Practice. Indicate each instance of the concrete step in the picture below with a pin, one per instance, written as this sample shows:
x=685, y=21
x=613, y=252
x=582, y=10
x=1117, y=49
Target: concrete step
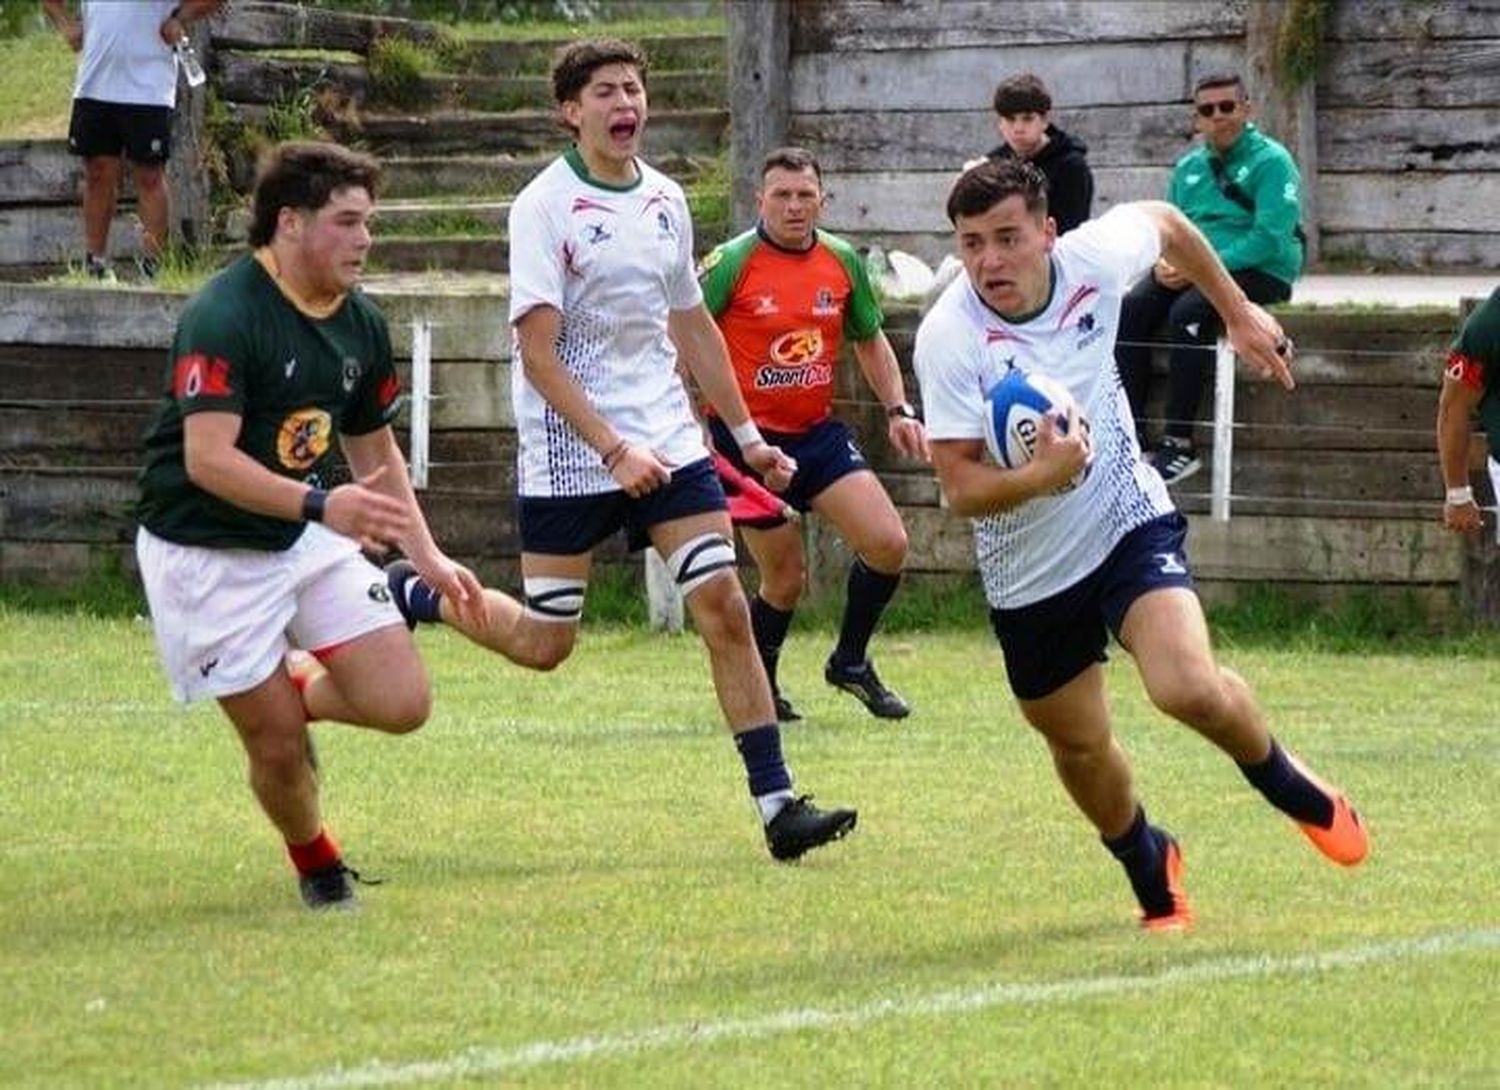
x=247, y=78
x=478, y=252
x=51, y=236
x=429, y=175
x=467, y=253
x=422, y=215
x=520, y=132
x=664, y=53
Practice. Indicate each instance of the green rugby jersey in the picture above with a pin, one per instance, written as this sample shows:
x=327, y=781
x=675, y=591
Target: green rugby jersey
x=1475, y=359
x=296, y=381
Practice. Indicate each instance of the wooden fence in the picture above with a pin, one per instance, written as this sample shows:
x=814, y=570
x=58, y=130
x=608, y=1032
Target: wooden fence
x=1398, y=139
x=1334, y=484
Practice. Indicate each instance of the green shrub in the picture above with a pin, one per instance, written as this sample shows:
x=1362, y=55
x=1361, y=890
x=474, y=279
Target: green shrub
x=396, y=67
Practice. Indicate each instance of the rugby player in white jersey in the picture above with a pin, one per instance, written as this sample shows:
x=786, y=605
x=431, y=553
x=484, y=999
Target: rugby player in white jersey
x=1062, y=569
x=603, y=297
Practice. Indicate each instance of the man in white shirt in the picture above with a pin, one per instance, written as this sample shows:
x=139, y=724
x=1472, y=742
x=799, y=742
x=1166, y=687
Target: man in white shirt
x=122, y=108
x=1064, y=566
x=603, y=298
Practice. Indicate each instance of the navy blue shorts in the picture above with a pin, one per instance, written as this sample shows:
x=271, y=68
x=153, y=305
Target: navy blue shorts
x=1049, y=643
x=568, y=525
x=142, y=134
x=824, y=453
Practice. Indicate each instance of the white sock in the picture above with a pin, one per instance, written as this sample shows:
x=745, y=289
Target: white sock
x=771, y=805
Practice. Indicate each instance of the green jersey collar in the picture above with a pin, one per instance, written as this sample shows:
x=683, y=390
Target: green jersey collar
x=575, y=160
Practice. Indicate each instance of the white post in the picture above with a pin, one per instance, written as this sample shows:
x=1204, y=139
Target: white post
x=663, y=596
x=1223, y=470
x=421, y=398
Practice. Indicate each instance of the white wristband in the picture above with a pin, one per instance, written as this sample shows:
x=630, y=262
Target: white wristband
x=1457, y=497
x=746, y=435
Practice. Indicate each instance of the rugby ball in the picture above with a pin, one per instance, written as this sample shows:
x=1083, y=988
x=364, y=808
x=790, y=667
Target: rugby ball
x=1013, y=411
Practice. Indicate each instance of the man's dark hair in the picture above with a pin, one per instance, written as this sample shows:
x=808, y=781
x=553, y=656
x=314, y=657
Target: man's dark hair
x=304, y=174
x=791, y=158
x=982, y=187
x=1220, y=79
x=1023, y=94
x=576, y=63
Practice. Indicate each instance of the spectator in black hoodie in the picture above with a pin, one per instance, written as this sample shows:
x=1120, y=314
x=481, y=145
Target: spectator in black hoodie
x=1023, y=107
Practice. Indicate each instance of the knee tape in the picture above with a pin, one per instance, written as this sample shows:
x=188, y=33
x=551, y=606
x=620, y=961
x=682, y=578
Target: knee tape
x=697, y=561
x=559, y=601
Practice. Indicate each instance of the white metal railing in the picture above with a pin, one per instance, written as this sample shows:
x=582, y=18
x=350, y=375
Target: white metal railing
x=421, y=400
x=1223, y=469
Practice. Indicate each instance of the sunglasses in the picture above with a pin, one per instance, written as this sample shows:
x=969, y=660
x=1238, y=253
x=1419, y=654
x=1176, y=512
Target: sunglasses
x=1226, y=107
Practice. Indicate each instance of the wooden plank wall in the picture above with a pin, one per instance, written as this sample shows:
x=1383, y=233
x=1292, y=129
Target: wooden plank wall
x=895, y=96
x=80, y=374
x=1334, y=483
x=1409, y=133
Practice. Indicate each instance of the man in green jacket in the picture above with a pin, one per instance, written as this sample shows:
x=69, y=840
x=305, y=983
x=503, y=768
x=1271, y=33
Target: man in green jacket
x=1243, y=191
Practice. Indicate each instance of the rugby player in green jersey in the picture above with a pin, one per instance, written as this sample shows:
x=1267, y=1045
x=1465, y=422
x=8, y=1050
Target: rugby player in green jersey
x=249, y=552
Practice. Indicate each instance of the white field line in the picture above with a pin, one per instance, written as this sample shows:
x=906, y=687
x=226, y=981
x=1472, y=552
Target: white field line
x=480, y=1061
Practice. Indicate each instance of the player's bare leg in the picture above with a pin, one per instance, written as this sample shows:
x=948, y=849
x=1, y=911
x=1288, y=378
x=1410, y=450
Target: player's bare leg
x=1074, y=721
x=527, y=637
x=1166, y=633
x=272, y=726
x=722, y=618
x=377, y=681
x=721, y=615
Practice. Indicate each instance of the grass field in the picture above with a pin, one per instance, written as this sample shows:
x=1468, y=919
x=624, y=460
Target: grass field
x=577, y=894
x=36, y=86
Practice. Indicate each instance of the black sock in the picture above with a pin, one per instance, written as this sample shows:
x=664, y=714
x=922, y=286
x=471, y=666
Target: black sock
x=760, y=749
x=1289, y=790
x=770, y=626
x=865, y=600
x=1142, y=851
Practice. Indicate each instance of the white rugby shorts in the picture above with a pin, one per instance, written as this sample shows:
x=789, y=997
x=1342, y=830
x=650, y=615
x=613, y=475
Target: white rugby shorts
x=224, y=618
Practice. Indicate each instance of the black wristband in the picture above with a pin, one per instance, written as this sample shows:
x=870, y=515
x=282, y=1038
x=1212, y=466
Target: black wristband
x=313, y=502
x=902, y=411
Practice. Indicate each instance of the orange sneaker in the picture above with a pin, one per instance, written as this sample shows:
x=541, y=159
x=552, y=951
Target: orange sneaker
x=1346, y=841
x=1181, y=916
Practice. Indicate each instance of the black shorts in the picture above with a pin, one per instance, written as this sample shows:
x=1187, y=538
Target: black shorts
x=142, y=134
x=1049, y=643
x=568, y=525
x=824, y=453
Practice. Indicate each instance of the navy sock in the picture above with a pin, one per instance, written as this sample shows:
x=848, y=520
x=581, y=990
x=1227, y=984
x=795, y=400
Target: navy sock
x=1289, y=790
x=1141, y=850
x=769, y=625
x=417, y=601
x=760, y=749
x=865, y=600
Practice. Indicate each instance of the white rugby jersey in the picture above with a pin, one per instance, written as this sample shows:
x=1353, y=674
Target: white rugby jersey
x=613, y=261
x=1048, y=543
